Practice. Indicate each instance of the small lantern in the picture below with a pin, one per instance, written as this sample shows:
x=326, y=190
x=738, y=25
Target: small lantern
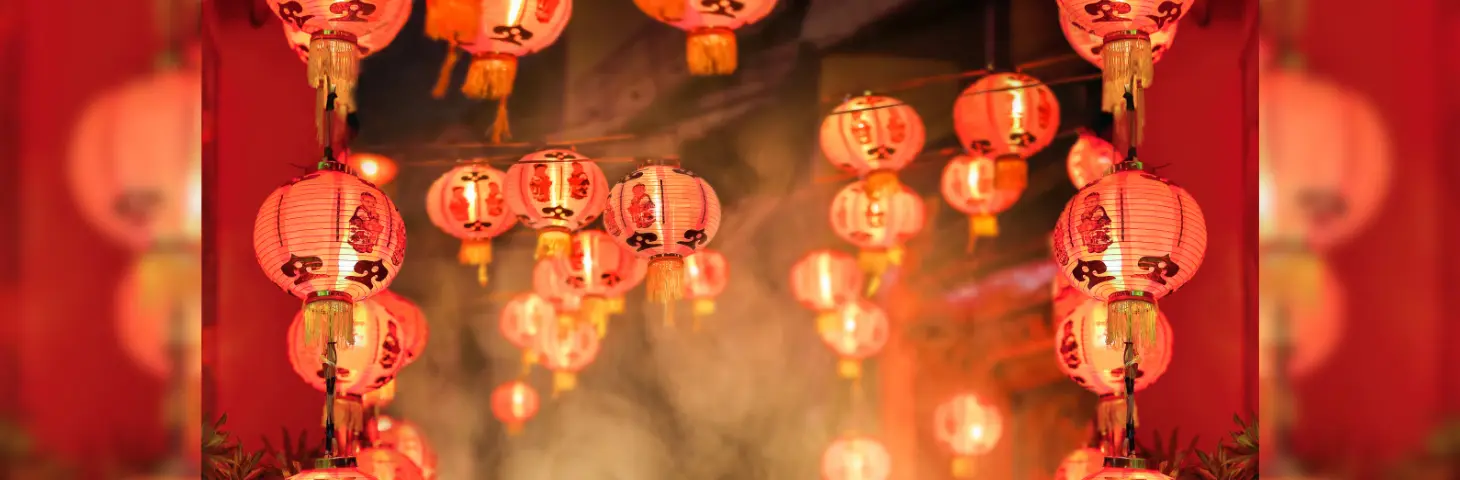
x=566, y=350
x=555, y=192
x=386, y=463
x=595, y=266
x=983, y=187
x=706, y=274
x=969, y=427
x=514, y=403
x=825, y=280
x=878, y=226
x=710, y=49
x=858, y=331
x=873, y=136
x=522, y=320
x=414, y=331
x=468, y=202
x=386, y=432
x=1006, y=116
x=1091, y=158
x=854, y=457
x=1082, y=353
x=663, y=213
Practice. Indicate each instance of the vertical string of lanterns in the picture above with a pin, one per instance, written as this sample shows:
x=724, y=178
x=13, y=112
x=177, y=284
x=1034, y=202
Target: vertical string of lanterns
x=522, y=320
x=468, y=202
x=710, y=48
x=1082, y=354
x=555, y=192
x=663, y=213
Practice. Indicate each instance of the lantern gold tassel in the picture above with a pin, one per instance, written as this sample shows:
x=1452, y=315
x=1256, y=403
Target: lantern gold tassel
x=501, y=129
x=616, y=305
x=962, y=467
x=1131, y=319
x=552, y=243
x=882, y=184
x=1128, y=63
x=479, y=253
x=443, y=80
x=564, y=382
x=875, y=263
x=490, y=76
x=529, y=358
x=329, y=319
x=668, y=11
x=711, y=51
x=981, y=226
x=168, y=276
x=666, y=278
x=334, y=63
x=594, y=311
x=1290, y=274
x=514, y=429
x=849, y=369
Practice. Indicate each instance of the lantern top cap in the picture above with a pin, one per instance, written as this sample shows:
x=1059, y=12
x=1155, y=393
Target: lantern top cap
x=335, y=462
x=1126, y=462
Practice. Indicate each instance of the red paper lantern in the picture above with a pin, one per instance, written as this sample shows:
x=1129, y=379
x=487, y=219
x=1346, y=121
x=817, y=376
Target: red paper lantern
x=706, y=274
x=711, y=25
x=369, y=43
x=551, y=283
x=514, y=403
x=1312, y=327
x=877, y=226
x=983, y=187
x=969, y=427
x=338, y=30
x=595, y=266
x=636, y=277
x=663, y=213
x=495, y=33
x=159, y=295
x=374, y=360
x=1082, y=353
x=377, y=169
x=1089, y=45
x=523, y=318
x=1126, y=28
x=856, y=458
x=342, y=473
x=135, y=161
x=1325, y=161
x=1123, y=473
x=1129, y=239
x=380, y=397
x=468, y=203
x=858, y=330
x=407, y=438
x=1079, y=464
x=1091, y=158
x=1066, y=297
x=555, y=192
x=873, y=136
x=824, y=280
x=1006, y=115
x=414, y=331
x=566, y=348
x=385, y=463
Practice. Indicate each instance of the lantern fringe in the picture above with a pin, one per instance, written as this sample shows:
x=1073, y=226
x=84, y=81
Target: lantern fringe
x=514, y=429
x=490, y=77
x=963, y=467
x=711, y=51
x=1128, y=63
x=882, y=183
x=616, y=305
x=1110, y=421
x=1291, y=275
x=166, y=277
x=827, y=322
x=875, y=263
x=1131, y=320
x=564, y=382
x=334, y=65
x=529, y=358
x=501, y=129
x=349, y=417
x=479, y=253
x=981, y=225
x=594, y=311
x=448, y=20
x=443, y=79
x=552, y=243
x=668, y=11
x=666, y=278
x=849, y=369
x=329, y=320
x=669, y=314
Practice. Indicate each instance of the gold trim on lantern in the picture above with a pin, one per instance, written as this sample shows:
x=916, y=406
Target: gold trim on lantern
x=552, y=242
x=490, y=76
x=665, y=281
x=848, y=368
x=329, y=317
x=711, y=51
x=564, y=382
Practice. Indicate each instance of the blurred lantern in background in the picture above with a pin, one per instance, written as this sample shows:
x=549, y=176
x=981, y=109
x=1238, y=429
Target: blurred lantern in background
x=495, y=33
x=468, y=202
x=969, y=427
x=825, y=280
x=325, y=472
x=1080, y=464
x=1130, y=239
x=874, y=137
x=372, y=362
x=595, y=266
x=406, y=437
x=878, y=227
x=388, y=464
x=377, y=169
x=1083, y=353
x=858, y=331
x=1089, y=47
x=379, y=398
x=636, y=277
x=1006, y=116
x=1307, y=326
x=982, y=187
x=300, y=245
x=1134, y=470
x=1091, y=158
x=157, y=314
x=551, y=283
x=856, y=458
x=414, y=331
x=664, y=213
x=522, y=319
x=711, y=26
x=514, y=403
x=1127, y=29
x=555, y=192
x=566, y=349
x=706, y=276
x=341, y=32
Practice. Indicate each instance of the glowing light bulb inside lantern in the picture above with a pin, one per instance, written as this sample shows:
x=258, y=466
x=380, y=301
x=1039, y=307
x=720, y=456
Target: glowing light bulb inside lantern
x=1016, y=109
x=470, y=193
x=193, y=206
x=519, y=403
x=978, y=176
x=975, y=432
x=823, y=277
x=369, y=168
x=514, y=12
x=383, y=424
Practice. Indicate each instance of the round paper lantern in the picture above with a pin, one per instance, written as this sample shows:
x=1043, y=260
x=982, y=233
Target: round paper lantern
x=377, y=169
x=706, y=274
x=1089, y=46
x=873, y=136
x=522, y=319
x=969, y=427
x=1126, y=469
x=1091, y=158
x=331, y=239
x=878, y=227
x=370, y=43
x=1330, y=152
x=1079, y=464
x=595, y=266
x=566, y=349
x=1006, y=115
x=388, y=464
x=373, y=361
x=414, y=331
x=555, y=192
x=551, y=283
x=1129, y=239
x=159, y=304
x=340, y=468
x=495, y=33
x=1082, y=352
x=824, y=280
x=636, y=277
x=859, y=330
x=380, y=397
x=468, y=203
x=1125, y=28
x=338, y=30
x=1066, y=297
x=403, y=436
x=663, y=213
x=856, y=458
x=135, y=161
x=514, y=403
x=983, y=187
x=1308, y=324
x=711, y=25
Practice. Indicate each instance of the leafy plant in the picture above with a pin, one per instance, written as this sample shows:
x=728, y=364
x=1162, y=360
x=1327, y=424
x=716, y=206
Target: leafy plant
x=1168, y=457
x=225, y=459
x=1230, y=460
x=293, y=457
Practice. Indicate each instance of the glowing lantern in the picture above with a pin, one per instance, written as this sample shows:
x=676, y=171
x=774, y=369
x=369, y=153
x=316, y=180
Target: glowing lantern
x=825, y=280
x=153, y=301
x=1091, y=158
x=1079, y=464
x=1309, y=325
x=522, y=319
x=551, y=283
x=1126, y=469
x=380, y=397
x=1125, y=28
x=1329, y=150
x=341, y=468
x=1089, y=46
x=388, y=464
x=969, y=427
x=331, y=239
x=982, y=187
x=858, y=330
x=706, y=276
x=566, y=350
x=711, y=25
x=514, y=403
x=636, y=277
x=341, y=32
x=370, y=43
x=663, y=213
x=1129, y=239
x=878, y=227
x=495, y=33
x=1066, y=297
x=856, y=458
x=595, y=266
x=373, y=361
x=555, y=192
x=467, y=202
x=414, y=331
x=874, y=137
x=406, y=437
x=377, y=169
x=1082, y=353
x=135, y=161
x=1006, y=116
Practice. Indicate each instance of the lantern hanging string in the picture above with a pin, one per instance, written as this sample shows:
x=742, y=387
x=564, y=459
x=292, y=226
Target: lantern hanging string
x=330, y=359
x=1132, y=362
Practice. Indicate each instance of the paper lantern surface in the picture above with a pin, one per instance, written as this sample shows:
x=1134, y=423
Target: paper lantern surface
x=1314, y=326
x=874, y=224
x=968, y=425
x=1103, y=18
x=1113, y=473
x=515, y=402
x=824, y=280
x=1079, y=464
x=690, y=15
x=414, y=331
x=856, y=458
x=1091, y=158
x=524, y=317
x=872, y=133
x=707, y=273
x=405, y=437
x=1081, y=352
x=1006, y=114
x=517, y=27
x=596, y=264
x=354, y=19
x=151, y=317
x=860, y=330
x=388, y=464
x=661, y=210
x=1088, y=45
x=469, y=202
x=983, y=186
x=551, y=283
x=568, y=348
x=556, y=190
x=332, y=474
x=373, y=361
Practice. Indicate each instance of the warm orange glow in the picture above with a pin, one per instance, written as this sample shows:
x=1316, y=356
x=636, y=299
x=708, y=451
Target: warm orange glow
x=824, y=280
x=967, y=425
x=515, y=402
x=377, y=169
x=856, y=458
